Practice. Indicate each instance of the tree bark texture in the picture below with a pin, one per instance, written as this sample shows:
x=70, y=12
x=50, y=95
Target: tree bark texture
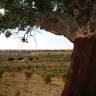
x=81, y=76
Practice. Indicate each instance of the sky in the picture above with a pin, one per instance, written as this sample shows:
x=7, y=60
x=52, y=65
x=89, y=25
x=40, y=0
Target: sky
x=42, y=40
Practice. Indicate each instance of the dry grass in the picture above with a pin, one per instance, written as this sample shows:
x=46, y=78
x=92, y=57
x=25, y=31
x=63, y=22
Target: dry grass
x=35, y=86
x=33, y=77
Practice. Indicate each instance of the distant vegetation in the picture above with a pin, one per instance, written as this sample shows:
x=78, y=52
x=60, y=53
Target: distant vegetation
x=45, y=71
x=11, y=59
x=20, y=58
x=30, y=58
x=47, y=64
x=28, y=74
x=44, y=55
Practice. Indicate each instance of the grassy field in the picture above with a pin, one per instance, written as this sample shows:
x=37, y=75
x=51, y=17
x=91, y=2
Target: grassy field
x=32, y=73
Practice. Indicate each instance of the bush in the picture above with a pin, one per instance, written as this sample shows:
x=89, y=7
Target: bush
x=20, y=58
x=63, y=76
x=37, y=58
x=30, y=58
x=1, y=73
x=47, y=78
x=67, y=57
x=10, y=59
x=13, y=75
x=17, y=93
x=49, y=54
x=28, y=74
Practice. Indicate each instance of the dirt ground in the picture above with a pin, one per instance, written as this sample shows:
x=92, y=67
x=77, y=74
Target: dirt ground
x=16, y=84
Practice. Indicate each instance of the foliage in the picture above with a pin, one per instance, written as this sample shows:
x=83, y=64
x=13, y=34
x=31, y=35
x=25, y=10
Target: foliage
x=17, y=93
x=1, y=72
x=23, y=15
x=20, y=58
x=61, y=57
x=44, y=70
x=63, y=75
x=47, y=78
x=37, y=58
x=10, y=59
x=28, y=74
x=30, y=58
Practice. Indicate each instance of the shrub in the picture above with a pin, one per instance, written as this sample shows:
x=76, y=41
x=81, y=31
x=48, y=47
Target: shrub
x=17, y=93
x=30, y=58
x=1, y=73
x=20, y=58
x=10, y=59
x=67, y=57
x=37, y=58
x=28, y=74
x=47, y=78
x=63, y=76
x=49, y=54
x=13, y=75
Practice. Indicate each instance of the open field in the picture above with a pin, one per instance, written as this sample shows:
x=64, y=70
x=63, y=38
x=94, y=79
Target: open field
x=32, y=73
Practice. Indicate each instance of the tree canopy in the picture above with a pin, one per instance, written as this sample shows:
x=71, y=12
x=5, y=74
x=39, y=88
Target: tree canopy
x=72, y=18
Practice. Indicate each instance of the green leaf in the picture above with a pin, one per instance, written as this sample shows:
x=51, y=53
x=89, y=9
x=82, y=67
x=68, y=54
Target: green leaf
x=24, y=40
x=8, y=34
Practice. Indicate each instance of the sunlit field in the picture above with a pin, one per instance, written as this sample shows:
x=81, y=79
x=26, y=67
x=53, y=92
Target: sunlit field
x=33, y=73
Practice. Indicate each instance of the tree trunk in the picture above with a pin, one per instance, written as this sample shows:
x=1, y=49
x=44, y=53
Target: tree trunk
x=81, y=76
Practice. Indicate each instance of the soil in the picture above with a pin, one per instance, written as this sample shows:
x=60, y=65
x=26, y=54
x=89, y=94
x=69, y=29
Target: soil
x=16, y=84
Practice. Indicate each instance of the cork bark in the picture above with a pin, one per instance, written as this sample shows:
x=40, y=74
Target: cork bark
x=81, y=76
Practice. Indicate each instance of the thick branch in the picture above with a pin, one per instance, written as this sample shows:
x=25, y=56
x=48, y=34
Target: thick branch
x=59, y=25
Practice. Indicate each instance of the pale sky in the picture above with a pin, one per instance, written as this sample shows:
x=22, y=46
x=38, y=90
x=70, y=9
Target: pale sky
x=45, y=40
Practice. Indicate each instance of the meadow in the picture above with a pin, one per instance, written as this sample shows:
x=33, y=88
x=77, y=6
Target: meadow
x=32, y=73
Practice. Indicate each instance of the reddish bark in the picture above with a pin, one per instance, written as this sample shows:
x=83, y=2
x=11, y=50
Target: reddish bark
x=81, y=77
